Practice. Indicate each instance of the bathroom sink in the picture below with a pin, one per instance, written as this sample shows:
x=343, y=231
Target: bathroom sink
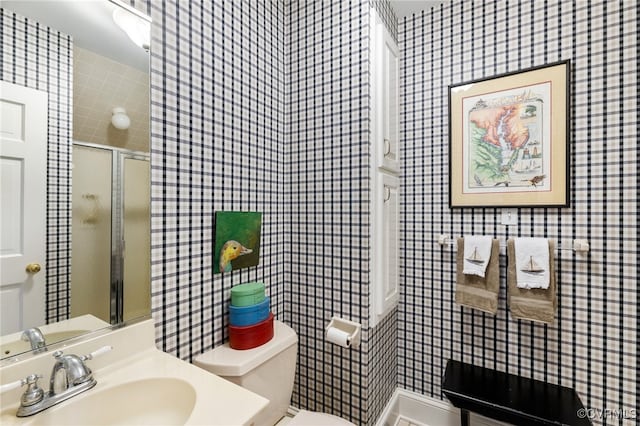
x=137, y=384
x=161, y=401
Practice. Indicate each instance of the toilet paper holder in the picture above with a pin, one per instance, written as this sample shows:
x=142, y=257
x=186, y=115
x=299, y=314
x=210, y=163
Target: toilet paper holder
x=353, y=329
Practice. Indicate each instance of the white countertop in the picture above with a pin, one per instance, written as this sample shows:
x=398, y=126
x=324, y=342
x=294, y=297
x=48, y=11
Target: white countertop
x=134, y=359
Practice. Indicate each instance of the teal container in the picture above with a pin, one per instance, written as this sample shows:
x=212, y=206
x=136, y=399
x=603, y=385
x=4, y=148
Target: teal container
x=247, y=294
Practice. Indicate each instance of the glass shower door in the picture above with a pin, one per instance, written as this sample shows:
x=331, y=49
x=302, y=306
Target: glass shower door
x=111, y=248
x=136, y=238
x=91, y=232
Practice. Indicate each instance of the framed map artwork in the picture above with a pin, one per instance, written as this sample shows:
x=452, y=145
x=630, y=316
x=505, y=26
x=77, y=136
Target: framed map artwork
x=508, y=139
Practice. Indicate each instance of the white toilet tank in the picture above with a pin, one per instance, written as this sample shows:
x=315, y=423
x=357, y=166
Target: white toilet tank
x=268, y=370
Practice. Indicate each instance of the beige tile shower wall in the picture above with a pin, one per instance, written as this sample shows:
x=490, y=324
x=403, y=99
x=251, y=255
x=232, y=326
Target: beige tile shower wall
x=101, y=84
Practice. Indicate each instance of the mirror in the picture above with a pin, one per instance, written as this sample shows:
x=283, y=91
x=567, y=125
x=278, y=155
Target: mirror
x=90, y=267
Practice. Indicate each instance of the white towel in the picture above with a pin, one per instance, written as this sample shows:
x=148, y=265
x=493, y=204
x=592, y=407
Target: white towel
x=532, y=251
x=483, y=245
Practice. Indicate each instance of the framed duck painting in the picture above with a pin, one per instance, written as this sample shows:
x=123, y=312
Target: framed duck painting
x=237, y=240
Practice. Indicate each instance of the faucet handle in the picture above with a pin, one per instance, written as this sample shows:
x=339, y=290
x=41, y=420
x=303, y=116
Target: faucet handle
x=34, y=393
x=13, y=385
x=103, y=350
x=32, y=378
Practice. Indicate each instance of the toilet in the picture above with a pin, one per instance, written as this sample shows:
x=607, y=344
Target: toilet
x=268, y=370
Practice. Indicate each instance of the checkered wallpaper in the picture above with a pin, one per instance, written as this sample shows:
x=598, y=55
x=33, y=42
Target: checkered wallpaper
x=593, y=345
x=302, y=93
x=328, y=163
x=41, y=58
x=217, y=143
x=382, y=365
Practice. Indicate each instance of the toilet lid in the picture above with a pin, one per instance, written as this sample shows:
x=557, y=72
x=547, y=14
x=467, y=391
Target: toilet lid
x=309, y=418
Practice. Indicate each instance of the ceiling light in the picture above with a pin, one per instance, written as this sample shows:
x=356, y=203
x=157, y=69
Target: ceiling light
x=120, y=119
x=137, y=29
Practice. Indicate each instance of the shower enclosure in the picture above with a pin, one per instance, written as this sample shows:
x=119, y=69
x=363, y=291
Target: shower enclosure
x=110, y=276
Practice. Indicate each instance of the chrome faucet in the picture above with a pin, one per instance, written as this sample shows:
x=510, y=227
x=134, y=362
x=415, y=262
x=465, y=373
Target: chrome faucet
x=35, y=337
x=70, y=376
x=68, y=371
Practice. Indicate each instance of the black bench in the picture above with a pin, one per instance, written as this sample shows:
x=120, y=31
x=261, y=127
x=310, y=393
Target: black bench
x=510, y=398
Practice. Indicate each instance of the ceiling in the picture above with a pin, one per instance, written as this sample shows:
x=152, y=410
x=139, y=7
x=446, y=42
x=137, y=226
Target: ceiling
x=89, y=22
x=404, y=8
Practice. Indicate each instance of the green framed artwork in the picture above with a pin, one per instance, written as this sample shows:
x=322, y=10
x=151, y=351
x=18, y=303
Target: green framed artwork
x=237, y=240
x=508, y=139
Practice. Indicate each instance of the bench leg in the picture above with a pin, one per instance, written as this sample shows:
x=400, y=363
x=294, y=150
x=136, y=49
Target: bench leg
x=464, y=417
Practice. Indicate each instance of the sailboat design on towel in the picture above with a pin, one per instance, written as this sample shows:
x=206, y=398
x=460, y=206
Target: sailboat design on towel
x=532, y=267
x=475, y=257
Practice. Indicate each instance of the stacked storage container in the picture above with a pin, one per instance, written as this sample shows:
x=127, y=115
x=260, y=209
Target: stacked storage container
x=250, y=317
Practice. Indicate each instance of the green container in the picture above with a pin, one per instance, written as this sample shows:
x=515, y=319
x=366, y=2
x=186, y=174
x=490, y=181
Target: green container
x=247, y=294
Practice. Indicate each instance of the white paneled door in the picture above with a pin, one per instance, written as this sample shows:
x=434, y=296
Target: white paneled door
x=385, y=199
x=23, y=164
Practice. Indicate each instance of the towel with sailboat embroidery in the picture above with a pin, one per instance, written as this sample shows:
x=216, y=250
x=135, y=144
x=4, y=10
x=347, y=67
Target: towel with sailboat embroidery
x=477, y=251
x=532, y=262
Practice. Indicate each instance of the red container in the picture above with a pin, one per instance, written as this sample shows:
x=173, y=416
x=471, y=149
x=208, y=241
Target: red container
x=251, y=336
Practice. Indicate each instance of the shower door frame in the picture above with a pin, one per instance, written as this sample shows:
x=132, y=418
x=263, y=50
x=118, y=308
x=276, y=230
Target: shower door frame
x=118, y=157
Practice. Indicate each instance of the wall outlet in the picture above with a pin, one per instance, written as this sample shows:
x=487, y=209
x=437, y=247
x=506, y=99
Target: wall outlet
x=509, y=217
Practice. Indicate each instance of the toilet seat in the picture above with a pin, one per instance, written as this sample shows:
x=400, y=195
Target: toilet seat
x=309, y=418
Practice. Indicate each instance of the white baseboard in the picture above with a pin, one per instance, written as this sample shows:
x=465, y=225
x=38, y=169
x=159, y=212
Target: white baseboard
x=292, y=411
x=425, y=411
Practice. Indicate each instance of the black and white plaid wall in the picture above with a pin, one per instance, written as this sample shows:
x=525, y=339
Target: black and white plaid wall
x=593, y=345
x=328, y=186
x=218, y=131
